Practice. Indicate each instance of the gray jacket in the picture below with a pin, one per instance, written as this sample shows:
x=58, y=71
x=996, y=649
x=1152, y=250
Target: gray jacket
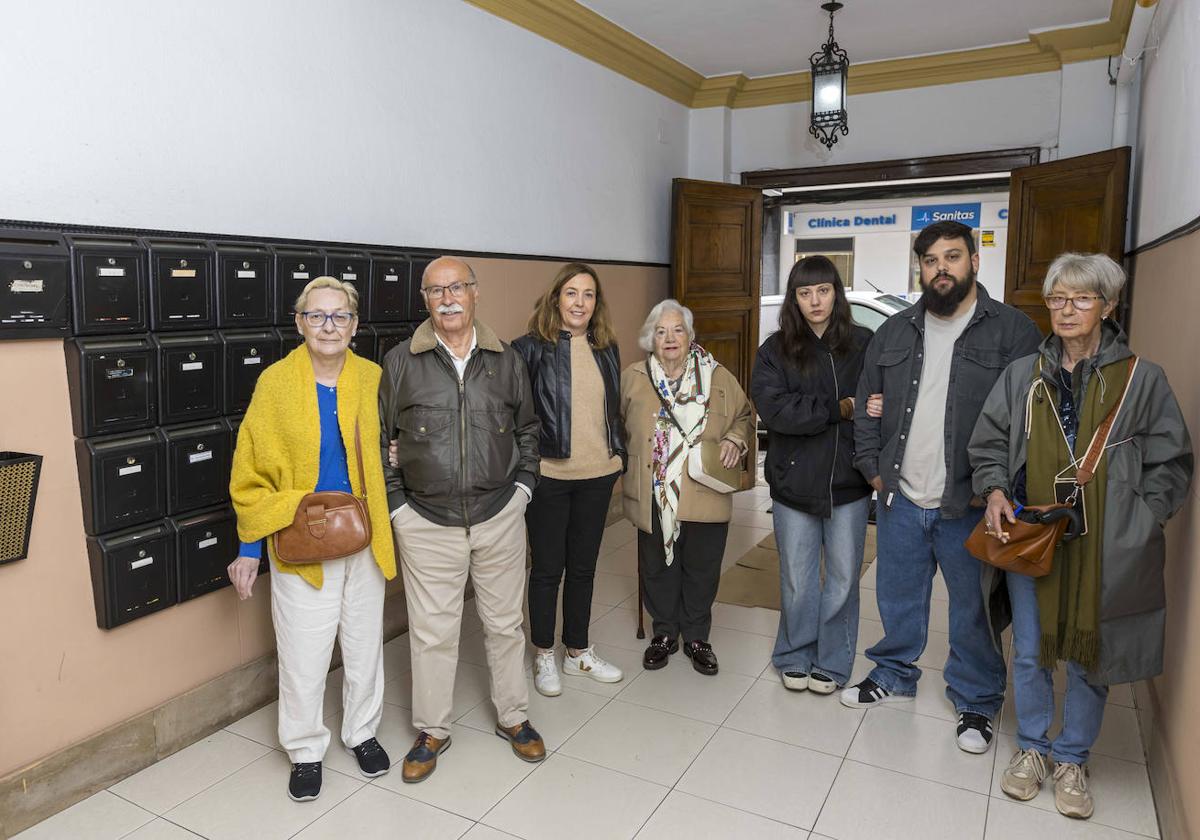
x=996, y=335
x=1149, y=469
x=461, y=444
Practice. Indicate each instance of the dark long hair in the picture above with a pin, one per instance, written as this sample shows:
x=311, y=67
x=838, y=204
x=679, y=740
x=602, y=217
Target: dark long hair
x=799, y=341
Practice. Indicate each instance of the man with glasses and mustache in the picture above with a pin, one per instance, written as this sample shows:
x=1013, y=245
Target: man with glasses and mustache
x=458, y=403
x=925, y=377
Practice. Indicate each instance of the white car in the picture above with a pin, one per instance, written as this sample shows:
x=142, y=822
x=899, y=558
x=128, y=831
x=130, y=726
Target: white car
x=873, y=308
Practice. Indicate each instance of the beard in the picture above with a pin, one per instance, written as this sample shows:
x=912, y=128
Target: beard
x=943, y=304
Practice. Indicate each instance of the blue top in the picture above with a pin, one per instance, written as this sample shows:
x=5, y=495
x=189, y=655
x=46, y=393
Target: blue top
x=334, y=470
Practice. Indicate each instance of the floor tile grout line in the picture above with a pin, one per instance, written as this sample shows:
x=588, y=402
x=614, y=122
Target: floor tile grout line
x=841, y=764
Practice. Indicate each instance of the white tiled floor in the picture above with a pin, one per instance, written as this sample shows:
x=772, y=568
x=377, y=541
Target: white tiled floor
x=665, y=754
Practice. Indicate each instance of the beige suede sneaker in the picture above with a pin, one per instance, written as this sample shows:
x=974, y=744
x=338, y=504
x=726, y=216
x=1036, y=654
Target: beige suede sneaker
x=1023, y=777
x=1071, y=795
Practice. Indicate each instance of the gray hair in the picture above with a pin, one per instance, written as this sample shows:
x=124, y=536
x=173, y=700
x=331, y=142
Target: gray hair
x=646, y=336
x=1095, y=273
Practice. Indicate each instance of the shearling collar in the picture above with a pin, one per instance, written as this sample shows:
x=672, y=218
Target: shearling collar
x=424, y=339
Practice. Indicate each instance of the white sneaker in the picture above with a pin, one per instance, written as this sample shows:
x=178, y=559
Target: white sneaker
x=588, y=664
x=545, y=674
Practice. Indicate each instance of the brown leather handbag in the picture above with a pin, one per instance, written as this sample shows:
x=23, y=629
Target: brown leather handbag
x=328, y=525
x=1035, y=536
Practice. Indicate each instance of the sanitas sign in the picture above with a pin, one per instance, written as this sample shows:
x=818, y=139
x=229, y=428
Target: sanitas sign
x=866, y=219
x=966, y=214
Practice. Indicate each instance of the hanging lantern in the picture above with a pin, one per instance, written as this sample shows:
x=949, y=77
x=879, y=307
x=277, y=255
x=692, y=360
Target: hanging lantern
x=830, y=66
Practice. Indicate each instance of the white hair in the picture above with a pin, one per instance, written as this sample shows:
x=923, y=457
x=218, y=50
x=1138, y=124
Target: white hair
x=1095, y=273
x=646, y=336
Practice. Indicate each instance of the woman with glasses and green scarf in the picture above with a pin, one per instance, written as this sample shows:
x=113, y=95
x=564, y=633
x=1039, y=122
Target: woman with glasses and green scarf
x=1100, y=609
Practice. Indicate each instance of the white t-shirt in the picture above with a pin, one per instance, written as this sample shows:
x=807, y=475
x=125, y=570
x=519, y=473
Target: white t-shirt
x=923, y=472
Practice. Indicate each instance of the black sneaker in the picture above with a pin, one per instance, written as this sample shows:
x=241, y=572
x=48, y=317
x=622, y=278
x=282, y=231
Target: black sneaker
x=974, y=733
x=868, y=693
x=305, y=783
x=372, y=758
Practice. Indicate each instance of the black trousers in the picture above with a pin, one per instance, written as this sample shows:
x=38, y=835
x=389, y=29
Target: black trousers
x=565, y=521
x=679, y=597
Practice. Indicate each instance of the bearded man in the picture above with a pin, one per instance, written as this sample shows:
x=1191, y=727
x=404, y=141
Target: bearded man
x=925, y=377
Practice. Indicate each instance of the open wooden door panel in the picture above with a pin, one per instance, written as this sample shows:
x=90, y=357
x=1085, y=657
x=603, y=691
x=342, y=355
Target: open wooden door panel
x=715, y=263
x=1076, y=204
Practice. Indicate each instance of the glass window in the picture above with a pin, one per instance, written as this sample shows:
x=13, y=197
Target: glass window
x=870, y=318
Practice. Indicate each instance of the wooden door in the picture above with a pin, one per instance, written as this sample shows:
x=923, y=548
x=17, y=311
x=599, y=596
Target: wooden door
x=1076, y=204
x=716, y=252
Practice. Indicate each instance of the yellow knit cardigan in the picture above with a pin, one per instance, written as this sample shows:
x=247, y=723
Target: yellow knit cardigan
x=277, y=457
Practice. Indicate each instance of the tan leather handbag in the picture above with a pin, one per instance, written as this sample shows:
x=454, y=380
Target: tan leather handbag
x=1034, y=537
x=328, y=525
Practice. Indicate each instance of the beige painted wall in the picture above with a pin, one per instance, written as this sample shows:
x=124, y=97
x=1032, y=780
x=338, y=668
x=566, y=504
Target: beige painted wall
x=64, y=679
x=1163, y=329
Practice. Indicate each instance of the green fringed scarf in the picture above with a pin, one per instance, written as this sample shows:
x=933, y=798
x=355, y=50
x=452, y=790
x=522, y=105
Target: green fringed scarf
x=1069, y=597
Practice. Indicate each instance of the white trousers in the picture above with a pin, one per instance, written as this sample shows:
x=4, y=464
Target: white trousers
x=349, y=606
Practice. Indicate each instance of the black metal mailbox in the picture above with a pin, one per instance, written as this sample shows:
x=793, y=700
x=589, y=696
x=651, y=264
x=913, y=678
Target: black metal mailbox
x=363, y=343
x=189, y=377
x=110, y=290
x=122, y=480
x=245, y=355
x=35, y=270
x=389, y=336
x=418, y=306
x=245, y=285
x=198, y=462
x=294, y=268
x=352, y=267
x=113, y=384
x=389, y=298
x=205, y=544
x=133, y=573
x=182, y=285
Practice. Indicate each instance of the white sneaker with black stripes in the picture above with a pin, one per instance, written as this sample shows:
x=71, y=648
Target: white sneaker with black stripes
x=974, y=733
x=869, y=693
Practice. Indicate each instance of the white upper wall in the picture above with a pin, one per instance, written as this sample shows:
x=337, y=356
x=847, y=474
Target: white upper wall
x=1067, y=113
x=1166, y=179
x=409, y=122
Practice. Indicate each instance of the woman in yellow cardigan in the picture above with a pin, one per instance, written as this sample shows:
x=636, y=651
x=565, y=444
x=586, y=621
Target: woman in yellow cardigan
x=297, y=438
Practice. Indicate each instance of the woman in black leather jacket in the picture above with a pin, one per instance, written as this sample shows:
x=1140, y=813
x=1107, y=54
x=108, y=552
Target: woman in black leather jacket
x=574, y=370
x=803, y=385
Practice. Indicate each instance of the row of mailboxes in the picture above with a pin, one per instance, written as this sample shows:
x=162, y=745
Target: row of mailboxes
x=120, y=383
x=52, y=284
x=128, y=479
x=147, y=568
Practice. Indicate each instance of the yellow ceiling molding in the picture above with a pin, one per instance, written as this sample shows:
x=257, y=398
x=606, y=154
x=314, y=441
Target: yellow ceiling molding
x=586, y=33
x=1096, y=40
x=719, y=91
x=579, y=29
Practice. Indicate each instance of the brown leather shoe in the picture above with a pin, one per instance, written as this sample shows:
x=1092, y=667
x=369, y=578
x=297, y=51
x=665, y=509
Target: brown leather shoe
x=421, y=760
x=526, y=742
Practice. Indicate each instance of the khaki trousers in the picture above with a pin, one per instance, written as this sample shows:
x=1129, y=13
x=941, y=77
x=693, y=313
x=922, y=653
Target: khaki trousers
x=436, y=560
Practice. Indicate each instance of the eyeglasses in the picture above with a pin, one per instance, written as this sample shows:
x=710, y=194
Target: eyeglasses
x=1083, y=303
x=455, y=289
x=317, y=320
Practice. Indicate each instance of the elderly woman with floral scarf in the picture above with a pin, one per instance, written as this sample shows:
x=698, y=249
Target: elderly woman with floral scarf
x=672, y=401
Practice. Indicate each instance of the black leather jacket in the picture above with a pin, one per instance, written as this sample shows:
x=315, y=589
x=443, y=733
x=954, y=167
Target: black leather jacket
x=549, y=366
x=810, y=456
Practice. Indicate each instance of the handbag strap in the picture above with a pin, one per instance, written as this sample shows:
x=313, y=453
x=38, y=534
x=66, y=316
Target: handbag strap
x=362, y=479
x=1087, y=468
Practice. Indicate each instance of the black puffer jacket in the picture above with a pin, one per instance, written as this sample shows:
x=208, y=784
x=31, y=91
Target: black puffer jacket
x=810, y=452
x=549, y=366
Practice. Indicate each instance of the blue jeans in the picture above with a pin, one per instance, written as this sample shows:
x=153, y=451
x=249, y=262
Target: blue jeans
x=913, y=543
x=1033, y=687
x=818, y=625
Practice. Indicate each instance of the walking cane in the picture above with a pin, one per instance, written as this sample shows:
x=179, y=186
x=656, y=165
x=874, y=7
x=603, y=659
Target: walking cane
x=641, y=631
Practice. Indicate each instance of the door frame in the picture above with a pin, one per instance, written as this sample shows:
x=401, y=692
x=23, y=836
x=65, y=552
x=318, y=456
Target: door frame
x=935, y=166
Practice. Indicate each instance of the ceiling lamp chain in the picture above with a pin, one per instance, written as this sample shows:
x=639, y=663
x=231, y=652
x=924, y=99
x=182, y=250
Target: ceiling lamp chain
x=830, y=66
